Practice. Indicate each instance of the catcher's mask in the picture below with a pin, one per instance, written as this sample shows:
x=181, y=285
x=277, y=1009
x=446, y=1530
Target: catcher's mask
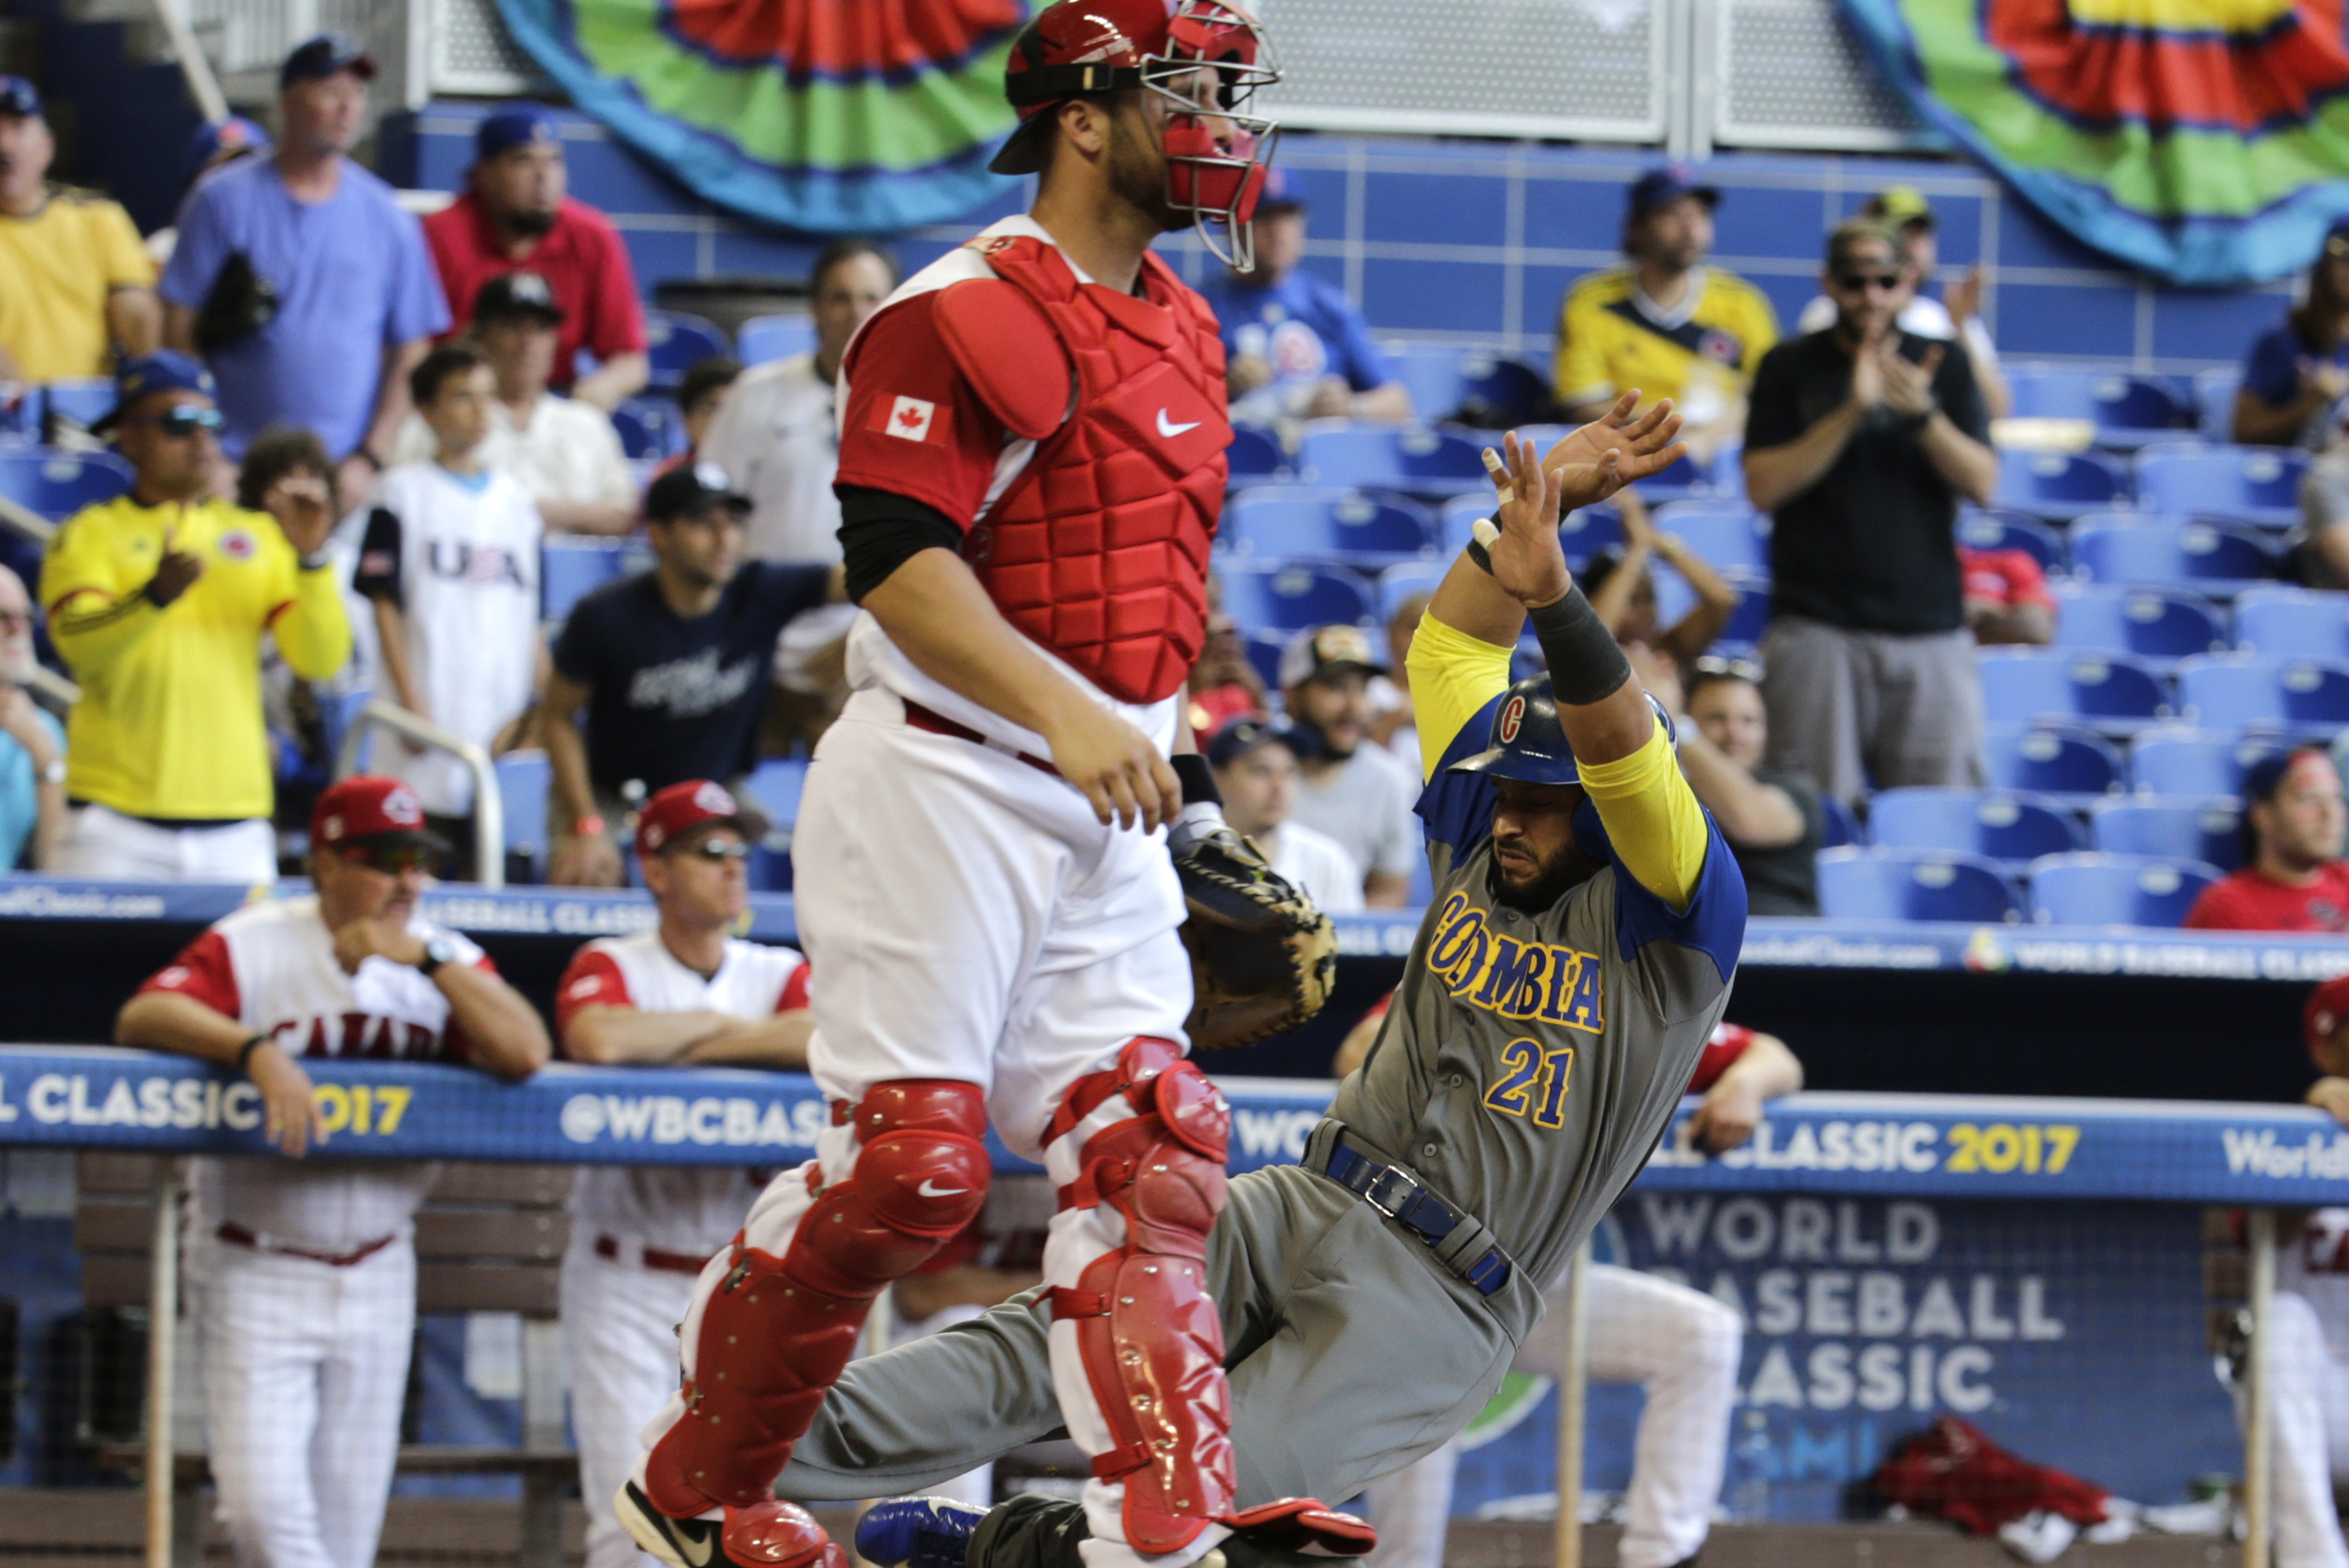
x=1206, y=59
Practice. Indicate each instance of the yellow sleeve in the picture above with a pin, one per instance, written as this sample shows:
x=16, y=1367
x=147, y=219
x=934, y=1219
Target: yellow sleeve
x=1651, y=817
x=1579, y=373
x=128, y=265
x=312, y=630
x=94, y=616
x=1453, y=675
x=1761, y=334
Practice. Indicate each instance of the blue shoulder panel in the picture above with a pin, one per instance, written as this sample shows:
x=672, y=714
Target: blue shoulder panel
x=1715, y=921
x=1456, y=809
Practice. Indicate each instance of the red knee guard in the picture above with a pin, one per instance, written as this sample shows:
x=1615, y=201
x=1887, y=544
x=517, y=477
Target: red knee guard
x=1146, y=1326
x=776, y=1330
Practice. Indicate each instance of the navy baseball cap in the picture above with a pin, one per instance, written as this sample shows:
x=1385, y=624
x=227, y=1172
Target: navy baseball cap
x=524, y=125
x=1243, y=737
x=162, y=371
x=511, y=295
x=690, y=489
x=236, y=134
x=19, y=96
x=317, y=58
x=1664, y=186
x=1283, y=192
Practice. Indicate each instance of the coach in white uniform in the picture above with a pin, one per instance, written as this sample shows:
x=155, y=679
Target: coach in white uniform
x=303, y=1269
x=685, y=991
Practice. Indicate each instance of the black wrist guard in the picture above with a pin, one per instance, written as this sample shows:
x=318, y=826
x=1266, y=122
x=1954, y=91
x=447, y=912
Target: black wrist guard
x=1198, y=779
x=1586, y=663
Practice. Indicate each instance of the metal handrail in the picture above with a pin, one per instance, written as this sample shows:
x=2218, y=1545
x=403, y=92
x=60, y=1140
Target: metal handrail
x=205, y=87
x=489, y=805
x=16, y=514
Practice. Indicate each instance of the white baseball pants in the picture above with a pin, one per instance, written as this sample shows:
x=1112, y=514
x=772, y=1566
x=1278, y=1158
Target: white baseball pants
x=2308, y=1395
x=103, y=843
x=619, y=1352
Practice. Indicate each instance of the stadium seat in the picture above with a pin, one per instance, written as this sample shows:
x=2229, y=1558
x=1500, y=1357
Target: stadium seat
x=676, y=340
x=2127, y=411
x=1914, y=884
x=2110, y=692
x=2068, y=764
x=1414, y=459
x=1399, y=582
x=2258, y=485
x=1727, y=539
x=2178, y=759
x=1837, y=826
x=2257, y=690
x=571, y=569
x=522, y=793
x=2152, y=623
x=2176, y=827
x=2091, y=888
x=774, y=788
x=2219, y=558
x=1583, y=534
x=648, y=429
x=2014, y=531
x=2293, y=622
x=1255, y=456
x=57, y=484
x=1267, y=597
x=2059, y=484
x=763, y=339
x=82, y=400
x=1263, y=650
x=1289, y=521
x=2004, y=827
x=2214, y=400
x=1474, y=386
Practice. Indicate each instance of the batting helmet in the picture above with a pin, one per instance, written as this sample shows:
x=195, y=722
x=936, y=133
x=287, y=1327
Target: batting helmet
x=1526, y=742
x=1205, y=57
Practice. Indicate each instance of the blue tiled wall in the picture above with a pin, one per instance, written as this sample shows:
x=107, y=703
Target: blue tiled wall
x=1476, y=242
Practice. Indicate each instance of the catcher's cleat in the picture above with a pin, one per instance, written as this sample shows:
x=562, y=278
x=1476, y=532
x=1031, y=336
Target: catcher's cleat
x=772, y=1535
x=918, y=1532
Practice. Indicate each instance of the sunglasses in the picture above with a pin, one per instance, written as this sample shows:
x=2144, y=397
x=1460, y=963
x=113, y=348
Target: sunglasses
x=180, y=423
x=1746, y=670
x=716, y=849
x=390, y=859
x=1854, y=281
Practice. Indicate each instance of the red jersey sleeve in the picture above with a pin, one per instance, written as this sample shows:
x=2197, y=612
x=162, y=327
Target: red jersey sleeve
x=593, y=980
x=203, y=972
x=1728, y=1043
x=794, y=997
x=615, y=319
x=914, y=425
x=2026, y=580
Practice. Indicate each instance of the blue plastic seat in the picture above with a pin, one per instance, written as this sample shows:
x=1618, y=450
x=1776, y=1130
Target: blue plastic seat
x=1265, y=597
x=648, y=429
x=2050, y=762
x=2214, y=400
x=1264, y=651
x=1415, y=459
x=1915, y=884
x=2293, y=623
x=2258, y=485
x=1283, y=521
x=1473, y=385
x=1399, y=582
x=59, y=484
x=2178, y=759
x=2217, y=557
x=571, y=569
x=82, y=400
x=2059, y=484
x=1255, y=456
x=2152, y=623
x=774, y=788
x=522, y=792
x=1837, y=826
x=2092, y=888
x=2176, y=827
x=2110, y=692
x=2257, y=690
x=1583, y=534
x=2128, y=410
x=1726, y=538
x=2014, y=531
x=2004, y=826
x=763, y=339
x=676, y=340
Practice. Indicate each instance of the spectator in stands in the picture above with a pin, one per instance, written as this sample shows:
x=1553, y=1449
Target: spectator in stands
x=300, y=281
x=1354, y=792
x=1665, y=322
x=1298, y=347
x=32, y=745
x=159, y=601
x=669, y=667
x=700, y=395
x=687, y=992
x=1862, y=441
x=513, y=214
x=2293, y=877
x=451, y=565
x=1391, y=723
x=564, y=451
x=1223, y=685
x=79, y=285
x=1255, y=772
x=2297, y=374
x=1955, y=317
x=774, y=433
x=211, y=148
x=304, y=1271
x=1623, y=591
x=297, y=711
x=1771, y=816
x=2007, y=597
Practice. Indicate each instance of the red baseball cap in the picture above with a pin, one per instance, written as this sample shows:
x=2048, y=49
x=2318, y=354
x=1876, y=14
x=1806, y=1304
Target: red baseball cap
x=677, y=810
x=368, y=809
x=2327, y=1007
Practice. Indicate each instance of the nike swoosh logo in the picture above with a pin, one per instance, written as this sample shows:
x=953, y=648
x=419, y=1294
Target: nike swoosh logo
x=1167, y=429
x=927, y=1191
x=699, y=1550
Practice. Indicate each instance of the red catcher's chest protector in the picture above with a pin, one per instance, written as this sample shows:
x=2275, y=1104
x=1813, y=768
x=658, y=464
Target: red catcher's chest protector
x=1098, y=549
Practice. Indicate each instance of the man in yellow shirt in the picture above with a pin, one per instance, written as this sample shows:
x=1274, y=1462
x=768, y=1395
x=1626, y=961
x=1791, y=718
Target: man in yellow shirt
x=1665, y=322
x=159, y=601
x=79, y=281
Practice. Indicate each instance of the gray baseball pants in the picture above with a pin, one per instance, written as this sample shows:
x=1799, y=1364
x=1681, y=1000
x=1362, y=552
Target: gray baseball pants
x=1851, y=708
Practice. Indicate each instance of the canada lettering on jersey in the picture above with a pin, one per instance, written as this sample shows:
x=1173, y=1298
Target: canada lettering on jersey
x=1544, y=982
x=356, y=1034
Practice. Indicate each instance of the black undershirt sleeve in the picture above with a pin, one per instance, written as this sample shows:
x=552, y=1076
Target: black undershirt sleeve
x=881, y=531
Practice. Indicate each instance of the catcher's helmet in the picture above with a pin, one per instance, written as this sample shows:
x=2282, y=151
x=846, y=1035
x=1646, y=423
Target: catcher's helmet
x=1077, y=47
x=1525, y=743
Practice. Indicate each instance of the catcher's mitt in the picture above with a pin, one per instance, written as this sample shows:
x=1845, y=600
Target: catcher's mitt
x=1263, y=959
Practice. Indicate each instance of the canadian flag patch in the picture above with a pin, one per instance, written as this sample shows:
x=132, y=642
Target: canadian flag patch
x=909, y=418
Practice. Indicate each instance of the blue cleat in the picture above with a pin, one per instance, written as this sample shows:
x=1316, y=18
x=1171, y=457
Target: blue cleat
x=918, y=1532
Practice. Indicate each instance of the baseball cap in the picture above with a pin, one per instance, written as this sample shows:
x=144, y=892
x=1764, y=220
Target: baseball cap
x=1283, y=192
x=370, y=809
x=523, y=126
x=2336, y=238
x=690, y=488
x=165, y=370
x=1664, y=186
x=2327, y=1007
x=234, y=134
x=1318, y=651
x=2262, y=778
x=19, y=96
x=1901, y=206
x=317, y=58
x=512, y=295
x=681, y=808
x=1243, y=737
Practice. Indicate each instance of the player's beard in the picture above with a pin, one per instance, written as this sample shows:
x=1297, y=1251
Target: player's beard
x=1559, y=875
x=1137, y=169
x=529, y=223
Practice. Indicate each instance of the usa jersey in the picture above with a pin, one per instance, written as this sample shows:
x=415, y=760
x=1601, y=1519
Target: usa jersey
x=271, y=967
x=686, y=1210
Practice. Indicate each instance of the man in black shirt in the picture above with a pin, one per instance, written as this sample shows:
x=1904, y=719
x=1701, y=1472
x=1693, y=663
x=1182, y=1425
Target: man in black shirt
x=671, y=665
x=1860, y=441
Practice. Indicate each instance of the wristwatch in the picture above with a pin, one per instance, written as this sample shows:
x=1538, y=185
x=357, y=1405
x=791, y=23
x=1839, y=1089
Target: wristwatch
x=437, y=952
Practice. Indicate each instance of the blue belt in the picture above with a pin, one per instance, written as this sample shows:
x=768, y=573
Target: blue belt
x=1412, y=1204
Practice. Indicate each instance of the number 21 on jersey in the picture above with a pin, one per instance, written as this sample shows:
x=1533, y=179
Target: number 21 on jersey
x=1536, y=1083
